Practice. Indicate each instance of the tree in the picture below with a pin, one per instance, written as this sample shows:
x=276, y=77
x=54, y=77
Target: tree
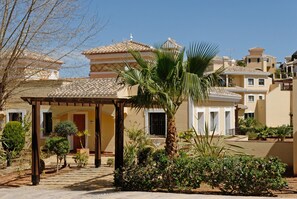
x=37, y=29
x=65, y=129
x=59, y=146
x=168, y=81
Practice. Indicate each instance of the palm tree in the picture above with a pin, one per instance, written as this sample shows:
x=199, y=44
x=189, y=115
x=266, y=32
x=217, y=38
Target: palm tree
x=168, y=81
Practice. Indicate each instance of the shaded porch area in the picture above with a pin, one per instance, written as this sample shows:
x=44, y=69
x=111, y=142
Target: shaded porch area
x=94, y=102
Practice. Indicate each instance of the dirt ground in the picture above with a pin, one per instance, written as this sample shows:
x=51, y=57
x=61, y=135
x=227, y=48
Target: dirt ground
x=23, y=178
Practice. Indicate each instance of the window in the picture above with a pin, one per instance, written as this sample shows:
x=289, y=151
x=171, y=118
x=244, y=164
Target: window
x=258, y=60
x=250, y=82
x=261, y=82
x=15, y=116
x=47, y=123
x=201, y=122
x=249, y=115
x=251, y=98
x=227, y=123
x=249, y=60
x=157, y=123
x=214, y=121
x=261, y=97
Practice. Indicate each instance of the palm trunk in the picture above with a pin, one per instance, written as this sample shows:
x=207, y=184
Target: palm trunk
x=171, y=139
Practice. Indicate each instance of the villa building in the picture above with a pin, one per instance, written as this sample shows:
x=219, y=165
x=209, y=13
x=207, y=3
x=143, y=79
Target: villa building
x=248, y=92
x=260, y=61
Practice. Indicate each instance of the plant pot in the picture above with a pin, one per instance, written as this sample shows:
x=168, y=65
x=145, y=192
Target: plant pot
x=83, y=150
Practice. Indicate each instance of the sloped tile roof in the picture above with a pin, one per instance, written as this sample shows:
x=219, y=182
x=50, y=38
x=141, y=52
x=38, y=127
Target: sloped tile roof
x=221, y=91
x=244, y=71
x=27, y=54
x=40, y=57
x=171, y=44
x=121, y=47
x=101, y=87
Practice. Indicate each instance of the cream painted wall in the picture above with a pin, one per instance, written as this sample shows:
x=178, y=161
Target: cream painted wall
x=282, y=150
x=260, y=113
x=221, y=108
x=278, y=107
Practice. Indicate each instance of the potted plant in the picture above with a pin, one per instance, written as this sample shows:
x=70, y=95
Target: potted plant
x=81, y=135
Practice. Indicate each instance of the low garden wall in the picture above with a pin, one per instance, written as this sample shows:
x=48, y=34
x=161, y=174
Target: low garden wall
x=283, y=150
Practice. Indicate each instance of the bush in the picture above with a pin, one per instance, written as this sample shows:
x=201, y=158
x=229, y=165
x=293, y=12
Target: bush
x=283, y=131
x=245, y=175
x=205, y=144
x=160, y=172
x=138, y=148
x=65, y=128
x=13, y=139
x=59, y=146
x=242, y=175
x=81, y=159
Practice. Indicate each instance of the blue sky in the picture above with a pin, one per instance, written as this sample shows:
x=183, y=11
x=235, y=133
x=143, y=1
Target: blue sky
x=234, y=25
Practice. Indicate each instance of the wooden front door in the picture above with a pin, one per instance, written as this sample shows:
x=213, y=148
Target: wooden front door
x=80, y=122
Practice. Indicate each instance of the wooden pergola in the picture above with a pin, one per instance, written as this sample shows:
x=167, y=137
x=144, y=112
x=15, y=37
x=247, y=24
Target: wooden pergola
x=119, y=104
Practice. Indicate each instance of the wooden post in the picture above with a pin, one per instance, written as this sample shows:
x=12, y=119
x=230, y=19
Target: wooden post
x=119, y=135
x=98, y=111
x=35, y=143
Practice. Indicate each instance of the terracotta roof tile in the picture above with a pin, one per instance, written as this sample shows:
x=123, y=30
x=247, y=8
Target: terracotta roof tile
x=101, y=87
x=121, y=47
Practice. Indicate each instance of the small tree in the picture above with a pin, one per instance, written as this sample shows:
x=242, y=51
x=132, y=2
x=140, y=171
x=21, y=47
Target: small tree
x=13, y=139
x=59, y=146
x=64, y=129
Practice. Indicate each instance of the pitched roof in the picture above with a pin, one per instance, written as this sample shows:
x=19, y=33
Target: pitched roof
x=222, y=92
x=101, y=87
x=239, y=70
x=40, y=57
x=121, y=47
x=171, y=44
x=28, y=54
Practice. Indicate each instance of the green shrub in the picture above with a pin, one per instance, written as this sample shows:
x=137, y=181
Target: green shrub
x=249, y=125
x=160, y=172
x=65, y=128
x=138, y=148
x=245, y=175
x=81, y=159
x=205, y=144
x=283, y=131
x=110, y=162
x=13, y=139
x=59, y=146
